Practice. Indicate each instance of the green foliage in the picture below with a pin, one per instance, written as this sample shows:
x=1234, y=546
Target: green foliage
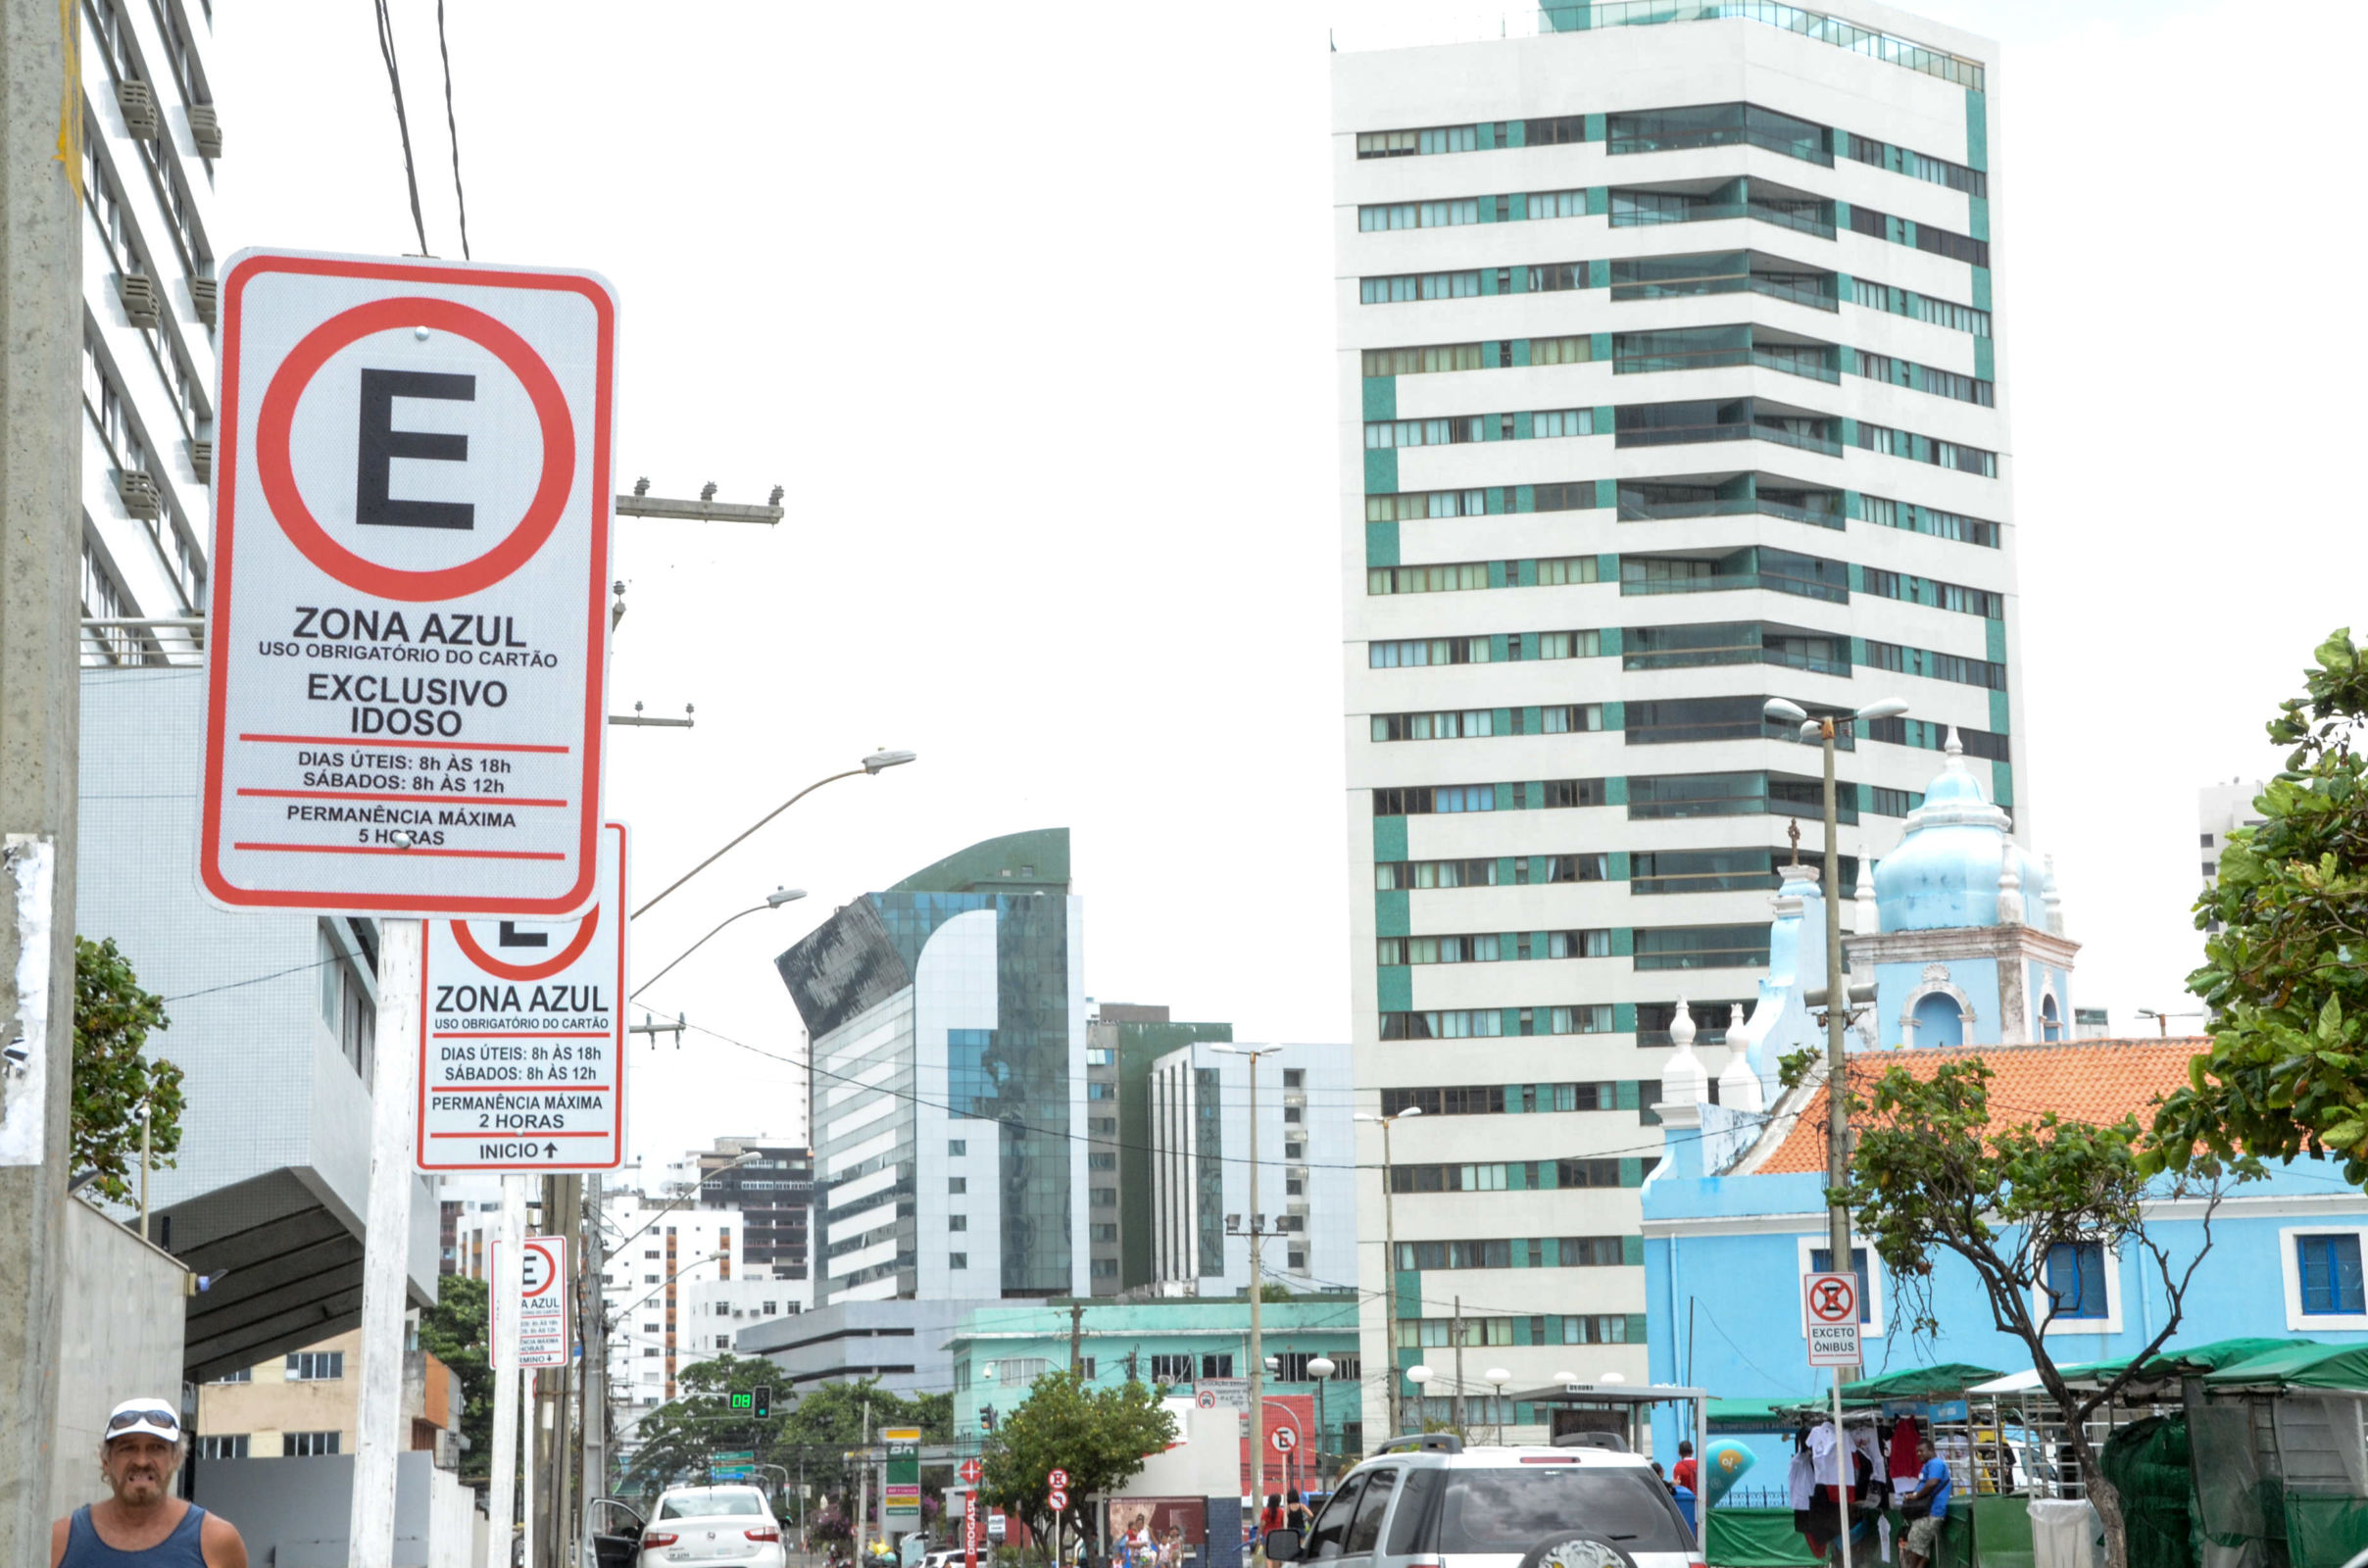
x=1277, y=1290
x=1100, y=1435
x=2286, y=973
x=811, y=1434
x=112, y=1079
x=1794, y=1065
x=453, y=1331
x=1931, y=1176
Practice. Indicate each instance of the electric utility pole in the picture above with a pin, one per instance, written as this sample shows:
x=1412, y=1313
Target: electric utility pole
x=40, y=566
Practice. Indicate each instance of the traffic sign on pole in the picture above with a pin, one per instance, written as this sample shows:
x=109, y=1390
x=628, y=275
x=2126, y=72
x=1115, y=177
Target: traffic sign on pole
x=1283, y=1439
x=406, y=675
x=542, y=1314
x=523, y=1062
x=1057, y=1479
x=1058, y=1500
x=970, y=1471
x=1830, y=1308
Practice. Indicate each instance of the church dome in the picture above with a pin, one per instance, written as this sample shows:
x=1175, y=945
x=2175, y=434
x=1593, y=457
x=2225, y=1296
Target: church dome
x=1945, y=874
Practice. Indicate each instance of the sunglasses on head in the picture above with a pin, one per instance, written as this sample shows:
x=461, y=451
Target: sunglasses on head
x=153, y=1416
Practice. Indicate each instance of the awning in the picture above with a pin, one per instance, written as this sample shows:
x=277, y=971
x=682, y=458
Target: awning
x=1608, y=1393
x=1752, y=1415
x=2183, y=1361
x=2297, y=1367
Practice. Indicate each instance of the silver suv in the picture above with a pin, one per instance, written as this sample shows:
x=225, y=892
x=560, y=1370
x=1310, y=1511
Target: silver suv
x=1430, y=1501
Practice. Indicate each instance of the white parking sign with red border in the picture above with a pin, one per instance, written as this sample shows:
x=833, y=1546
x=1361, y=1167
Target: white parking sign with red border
x=523, y=1062
x=542, y=1318
x=406, y=693
x=1830, y=1308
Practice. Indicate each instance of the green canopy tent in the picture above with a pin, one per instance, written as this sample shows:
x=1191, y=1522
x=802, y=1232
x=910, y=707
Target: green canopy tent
x=2307, y=1486
x=2174, y=1362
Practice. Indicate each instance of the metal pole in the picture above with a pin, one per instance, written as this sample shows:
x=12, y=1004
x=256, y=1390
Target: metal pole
x=1389, y=1280
x=40, y=721
x=527, y=1531
x=562, y=1446
x=863, y=1493
x=1837, y=1012
x=147, y=1156
x=502, y=1498
x=1459, y=1406
x=1846, y=1471
x=1257, y=1282
x=386, y=1245
x=596, y=1349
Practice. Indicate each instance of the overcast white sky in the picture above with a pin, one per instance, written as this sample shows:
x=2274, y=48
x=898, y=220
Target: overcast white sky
x=1030, y=308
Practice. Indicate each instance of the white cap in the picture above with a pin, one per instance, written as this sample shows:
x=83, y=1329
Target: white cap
x=152, y=1416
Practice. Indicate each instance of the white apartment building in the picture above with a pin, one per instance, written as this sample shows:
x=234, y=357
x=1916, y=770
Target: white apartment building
x=1670, y=382
x=1198, y=1104
x=150, y=143
x=2221, y=810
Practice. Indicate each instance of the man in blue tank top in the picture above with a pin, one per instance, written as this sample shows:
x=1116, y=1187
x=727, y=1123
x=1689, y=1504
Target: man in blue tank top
x=143, y=1525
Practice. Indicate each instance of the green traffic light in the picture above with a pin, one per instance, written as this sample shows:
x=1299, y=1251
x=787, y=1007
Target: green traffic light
x=742, y=1402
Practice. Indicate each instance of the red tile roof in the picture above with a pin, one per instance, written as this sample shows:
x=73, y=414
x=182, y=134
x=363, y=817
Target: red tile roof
x=2097, y=1081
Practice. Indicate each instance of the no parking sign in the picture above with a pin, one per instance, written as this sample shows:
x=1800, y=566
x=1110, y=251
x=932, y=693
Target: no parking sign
x=406, y=673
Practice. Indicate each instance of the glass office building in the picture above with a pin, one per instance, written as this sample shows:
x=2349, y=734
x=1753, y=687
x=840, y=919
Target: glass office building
x=946, y=1026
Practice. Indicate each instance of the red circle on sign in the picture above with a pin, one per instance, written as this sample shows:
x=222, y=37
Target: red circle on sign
x=550, y=1272
x=1833, y=1301
x=543, y=970
x=277, y=414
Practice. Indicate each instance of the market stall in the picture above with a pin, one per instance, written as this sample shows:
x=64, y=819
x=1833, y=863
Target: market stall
x=2279, y=1446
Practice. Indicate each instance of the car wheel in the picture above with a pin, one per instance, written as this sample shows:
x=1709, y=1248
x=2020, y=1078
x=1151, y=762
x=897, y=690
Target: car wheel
x=1576, y=1549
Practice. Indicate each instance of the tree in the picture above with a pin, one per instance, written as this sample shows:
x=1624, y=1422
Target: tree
x=2285, y=973
x=1931, y=1174
x=1100, y=1435
x=453, y=1331
x=807, y=1435
x=113, y=1080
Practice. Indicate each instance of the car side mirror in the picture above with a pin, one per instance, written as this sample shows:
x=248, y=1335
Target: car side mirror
x=1283, y=1546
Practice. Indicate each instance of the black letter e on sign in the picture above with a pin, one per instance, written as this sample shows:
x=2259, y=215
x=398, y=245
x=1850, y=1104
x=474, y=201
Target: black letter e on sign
x=380, y=442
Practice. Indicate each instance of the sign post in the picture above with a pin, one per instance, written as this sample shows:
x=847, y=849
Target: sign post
x=971, y=1471
x=1830, y=1311
x=406, y=686
x=541, y=1314
x=901, y=1497
x=523, y=1063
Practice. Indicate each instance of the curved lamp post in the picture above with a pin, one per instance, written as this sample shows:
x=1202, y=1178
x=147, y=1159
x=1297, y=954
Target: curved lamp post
x=1389, y=1258
x=773, y=900
x=876, y=762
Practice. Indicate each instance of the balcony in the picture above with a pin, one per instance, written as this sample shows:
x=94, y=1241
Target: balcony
x=1664, y=278
x=1663, y=424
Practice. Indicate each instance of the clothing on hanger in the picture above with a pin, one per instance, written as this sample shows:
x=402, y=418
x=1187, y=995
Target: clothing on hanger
x=1801, y=1483
x=1904, y=1463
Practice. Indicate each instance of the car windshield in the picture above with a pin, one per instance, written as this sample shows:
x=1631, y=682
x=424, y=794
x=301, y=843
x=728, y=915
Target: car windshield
x=705, y=1504
x=1512, y=1510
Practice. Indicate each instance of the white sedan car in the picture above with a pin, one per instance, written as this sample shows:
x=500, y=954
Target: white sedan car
x=711, y=1525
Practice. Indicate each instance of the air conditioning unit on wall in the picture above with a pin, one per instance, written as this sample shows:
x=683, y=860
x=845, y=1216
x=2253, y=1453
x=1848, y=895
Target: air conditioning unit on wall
x=138, y=492
x=138, y=104
x=205, y=129
x=138, y=291
x=201, y=458
x=204, y=297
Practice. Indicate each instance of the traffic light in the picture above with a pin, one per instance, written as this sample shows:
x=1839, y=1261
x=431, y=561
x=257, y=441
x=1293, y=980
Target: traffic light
x=764, y=1403
x=986, y=1418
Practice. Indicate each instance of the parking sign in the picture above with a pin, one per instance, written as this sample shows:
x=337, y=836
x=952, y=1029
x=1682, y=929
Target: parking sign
x=1830, y=1303
x=406, y=693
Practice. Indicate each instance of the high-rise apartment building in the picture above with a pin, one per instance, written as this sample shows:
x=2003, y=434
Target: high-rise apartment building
x=947, y=1030
x=1670, y=383
x=150, y=141
x=769, y=1183
x=1122, y=1038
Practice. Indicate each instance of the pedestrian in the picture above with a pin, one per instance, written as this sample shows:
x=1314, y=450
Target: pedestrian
x=1686, y=1472
x=143, y=1525
x=1273, y=1518
x=1925, y=1507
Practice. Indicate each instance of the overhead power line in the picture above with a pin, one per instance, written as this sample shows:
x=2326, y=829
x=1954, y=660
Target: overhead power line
x=452, y=125
x=394, y=78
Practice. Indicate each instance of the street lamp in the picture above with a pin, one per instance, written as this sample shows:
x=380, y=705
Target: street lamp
x=1496, y=1377
x=1258, y=1278
x=1389, y=1261
x=1320, y=1368
x=773, y=900
x=1838, y=994
x=876, y=762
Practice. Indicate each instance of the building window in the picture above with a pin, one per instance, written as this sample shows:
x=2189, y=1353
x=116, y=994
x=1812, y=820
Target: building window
x=1103, y=1197
x=223, y=1448
x=1103, y=1232
x=1105, y=1268
x=958, y=1148
x=1873, y=1306
x=958, y=1260
x=1101, y=1091
x=1295, y=1077
x=315, y=1366
x=2075, y=1280
x=958, y=1183
x=1097, y=1055
x=245, y=1374
x=1171, y=1369
x=1101, y=1161
x=1216, y=1366
x=2324, y=1287
x=958, y=1222
x=308, y=1445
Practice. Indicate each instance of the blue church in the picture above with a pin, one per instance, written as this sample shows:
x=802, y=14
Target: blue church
x=1962, y=930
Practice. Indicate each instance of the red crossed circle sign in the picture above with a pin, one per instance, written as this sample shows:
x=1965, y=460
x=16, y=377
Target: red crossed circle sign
x=277, y=414
x=1057, y=1479
x=1284, y=1440
x=1834, y=1298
